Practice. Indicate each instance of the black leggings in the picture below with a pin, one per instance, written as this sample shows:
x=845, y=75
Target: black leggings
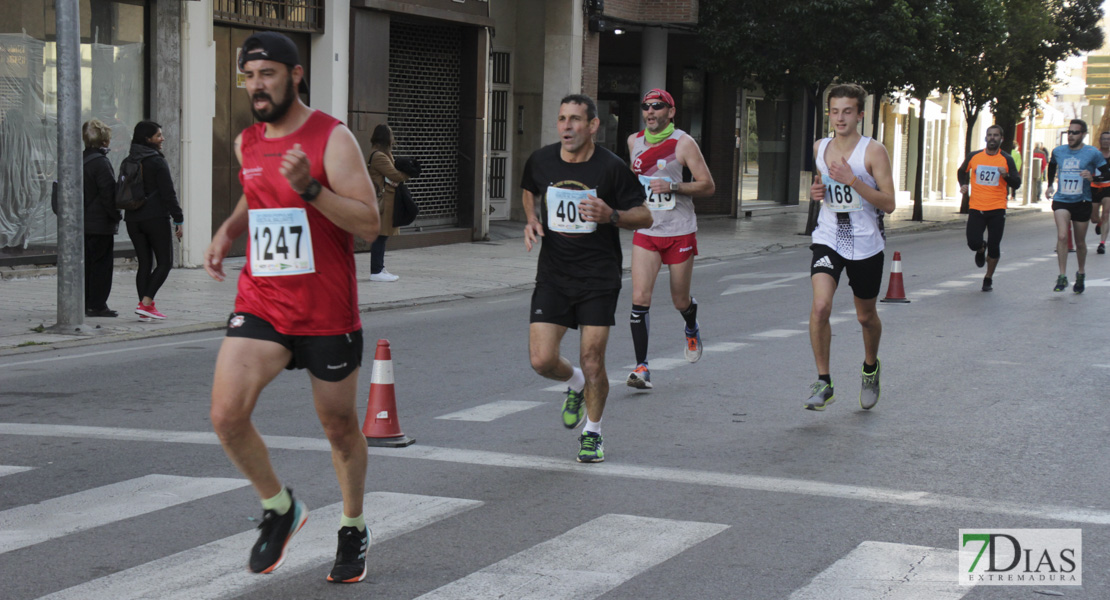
x=991, y=221
x=153, y=241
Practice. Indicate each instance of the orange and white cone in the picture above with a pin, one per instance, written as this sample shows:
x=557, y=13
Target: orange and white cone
x=895, y=291
x=382, y=426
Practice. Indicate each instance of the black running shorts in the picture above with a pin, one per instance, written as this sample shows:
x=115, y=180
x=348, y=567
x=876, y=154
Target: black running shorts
x=1080, y=211
x=327, y=357
x=571, y=308
x=864, y=276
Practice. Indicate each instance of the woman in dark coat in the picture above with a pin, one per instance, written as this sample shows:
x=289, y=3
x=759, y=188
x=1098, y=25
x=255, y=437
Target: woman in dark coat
x=101, y=218
x=149, y=225
x=386, y=178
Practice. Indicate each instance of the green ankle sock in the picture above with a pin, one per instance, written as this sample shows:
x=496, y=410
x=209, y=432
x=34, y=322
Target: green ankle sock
x=359, y=522
x=280, y=503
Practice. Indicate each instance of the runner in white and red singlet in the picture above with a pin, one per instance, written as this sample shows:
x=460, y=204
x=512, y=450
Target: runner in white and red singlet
x=306, y=194
x=659, y=154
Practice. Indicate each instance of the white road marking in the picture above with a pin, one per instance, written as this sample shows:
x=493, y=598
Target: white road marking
x=833, y=320
x=661, y=364
x=491, y=411
x=585, y=562
x=724, y=346
x=562, y=387
x=927, y=293
x=955, y=283
x=501, y=300
x=218, y=569
x=778, y=333
x=891, y=572
x=1042, y=258
x=11, y=470
x=137, y=350
x=783, y=280
x=544, y=463
x=36, y=523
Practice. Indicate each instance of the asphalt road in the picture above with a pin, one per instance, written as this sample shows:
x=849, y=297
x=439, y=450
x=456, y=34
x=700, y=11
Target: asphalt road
x=717, y=484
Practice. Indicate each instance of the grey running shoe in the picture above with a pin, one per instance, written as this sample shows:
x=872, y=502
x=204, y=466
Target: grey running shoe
x=640, y=378
x=869, y=392
x=693, y=345
x=574, y=408
x=820, y=396
x=1080, y=283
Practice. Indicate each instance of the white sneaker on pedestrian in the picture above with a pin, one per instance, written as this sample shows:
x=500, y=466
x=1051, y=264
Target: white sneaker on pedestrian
x=384, y=276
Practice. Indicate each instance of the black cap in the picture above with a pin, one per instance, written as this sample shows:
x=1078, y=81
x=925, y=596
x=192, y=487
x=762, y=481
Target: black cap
x=271, y=45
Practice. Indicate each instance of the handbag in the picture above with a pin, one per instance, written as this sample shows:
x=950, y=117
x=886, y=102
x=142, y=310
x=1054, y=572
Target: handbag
x=404, y=207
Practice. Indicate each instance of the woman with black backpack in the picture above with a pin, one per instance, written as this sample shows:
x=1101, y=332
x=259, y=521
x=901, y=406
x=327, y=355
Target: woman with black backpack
x=148, y=225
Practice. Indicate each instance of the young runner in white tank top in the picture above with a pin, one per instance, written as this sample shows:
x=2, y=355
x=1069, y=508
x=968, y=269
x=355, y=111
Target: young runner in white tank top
x=847, y=222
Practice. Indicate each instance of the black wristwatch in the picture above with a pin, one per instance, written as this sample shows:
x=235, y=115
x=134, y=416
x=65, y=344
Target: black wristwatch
x=311, y=191
x=614, y=217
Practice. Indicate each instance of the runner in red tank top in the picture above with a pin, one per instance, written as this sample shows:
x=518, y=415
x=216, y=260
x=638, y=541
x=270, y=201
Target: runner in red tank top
x=306, y=193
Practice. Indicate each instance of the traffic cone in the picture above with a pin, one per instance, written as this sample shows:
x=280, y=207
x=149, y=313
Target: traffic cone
x=382, y=426
x=895, y=292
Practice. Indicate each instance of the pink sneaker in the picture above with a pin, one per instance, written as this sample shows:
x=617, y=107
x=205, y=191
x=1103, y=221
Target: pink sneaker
x=148, y=311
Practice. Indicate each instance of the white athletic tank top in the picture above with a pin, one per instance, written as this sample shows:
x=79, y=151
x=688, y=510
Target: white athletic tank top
x=661, y=160
x=854, y=235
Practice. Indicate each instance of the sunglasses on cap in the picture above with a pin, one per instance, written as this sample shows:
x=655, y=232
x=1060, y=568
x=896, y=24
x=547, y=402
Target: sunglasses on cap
x=653, y=106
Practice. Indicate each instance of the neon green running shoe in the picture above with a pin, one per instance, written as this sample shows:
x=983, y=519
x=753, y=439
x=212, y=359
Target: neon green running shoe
x=574, y=409
x=869, y=391
x=820, y=396
x=591, y=450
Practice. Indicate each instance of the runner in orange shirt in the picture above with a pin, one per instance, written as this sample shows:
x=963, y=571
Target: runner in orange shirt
x=989, y=174
x=1100, y=196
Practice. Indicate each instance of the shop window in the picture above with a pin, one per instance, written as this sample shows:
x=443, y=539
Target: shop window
x=113, y=89
x=289, y=15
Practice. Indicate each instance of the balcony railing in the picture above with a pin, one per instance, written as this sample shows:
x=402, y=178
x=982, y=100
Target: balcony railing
x=290, y=15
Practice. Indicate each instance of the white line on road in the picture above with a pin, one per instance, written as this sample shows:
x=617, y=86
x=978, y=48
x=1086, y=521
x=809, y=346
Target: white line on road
x=137, y=350
x=927, y=293
x=778, y=333
x=430, y=310
x=501, y=300
x=35, y=523
x=562, y=387
x=218, y=569
x=833, y=320
x=955, y=283
x=11, y=470
x=585, y=562
x=543, y=463
x=661, y=364
x=491, y=411
x=725, y=346
x=891, y=572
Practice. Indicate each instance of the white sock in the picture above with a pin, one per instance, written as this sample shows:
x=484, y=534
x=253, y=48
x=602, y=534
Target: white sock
x=577, y=381
x=592, y=426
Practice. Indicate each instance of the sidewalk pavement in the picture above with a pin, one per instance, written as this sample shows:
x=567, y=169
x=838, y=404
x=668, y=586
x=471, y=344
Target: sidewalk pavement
x=195, y=302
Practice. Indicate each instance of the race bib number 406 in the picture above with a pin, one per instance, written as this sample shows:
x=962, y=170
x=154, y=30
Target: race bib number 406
x=655, y=201
x=280, y=242
x=840, y=197
x=563, y=213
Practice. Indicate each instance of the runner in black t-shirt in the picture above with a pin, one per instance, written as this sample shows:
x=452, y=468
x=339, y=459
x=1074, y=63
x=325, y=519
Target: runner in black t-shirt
x=584, y=193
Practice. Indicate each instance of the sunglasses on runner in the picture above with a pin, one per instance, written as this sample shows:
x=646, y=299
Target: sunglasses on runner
x=1074, y=132
x=653, y=106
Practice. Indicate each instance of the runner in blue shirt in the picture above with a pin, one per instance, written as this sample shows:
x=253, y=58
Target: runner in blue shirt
x=1078, y=165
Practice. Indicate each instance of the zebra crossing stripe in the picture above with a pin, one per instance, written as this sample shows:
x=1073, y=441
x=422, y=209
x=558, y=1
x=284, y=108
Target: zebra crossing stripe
x=219, y=569
x=585, y=562
x=36, y=523
x=491, y=411
x=10, y=470
x=891, y=572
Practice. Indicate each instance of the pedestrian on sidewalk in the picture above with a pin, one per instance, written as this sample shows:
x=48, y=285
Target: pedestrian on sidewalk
x=101, y=218
x=386, y=178
x=148, y=226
